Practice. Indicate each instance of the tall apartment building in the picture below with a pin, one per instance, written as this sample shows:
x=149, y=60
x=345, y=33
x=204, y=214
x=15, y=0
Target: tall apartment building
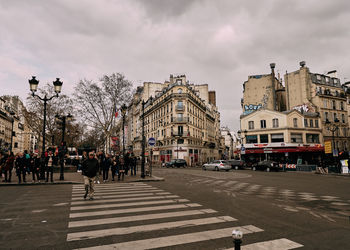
x=321, y=93
x=182, y=117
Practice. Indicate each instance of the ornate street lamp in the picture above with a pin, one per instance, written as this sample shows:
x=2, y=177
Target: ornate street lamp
x=33, y=83
x=332, y=127
x=123, y=109
x=13, y=120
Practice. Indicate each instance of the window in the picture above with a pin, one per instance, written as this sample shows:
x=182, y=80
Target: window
x=343, y=118
x=316, y=123
x=311, y=123
x=325, y=116
x=305, y=123
x=334, y=105
x=264, y=138
x=295, y=122
x=312, y=138
x=180, y=130
x=344, y=131
x=334, y=116
x=275, y=123
x=179, y=91
x=327, y=79
x=277, y=138
x=325, y=103
x=341, y=105
x=251, y=124
x=318, y=77
x=251, y=139
x=296, y=138
x=262, y=123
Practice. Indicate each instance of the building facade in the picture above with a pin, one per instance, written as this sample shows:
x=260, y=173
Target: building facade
x=181, y=117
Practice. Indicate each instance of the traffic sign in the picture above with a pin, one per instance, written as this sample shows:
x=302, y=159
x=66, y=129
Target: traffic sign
x=242, y=150
x=151, y=141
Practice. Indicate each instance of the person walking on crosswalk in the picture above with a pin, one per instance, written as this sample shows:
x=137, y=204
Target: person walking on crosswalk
x=89, y=171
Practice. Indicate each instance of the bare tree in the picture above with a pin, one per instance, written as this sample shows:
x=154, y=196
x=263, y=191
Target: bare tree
x=97, y=102
x=35, y=109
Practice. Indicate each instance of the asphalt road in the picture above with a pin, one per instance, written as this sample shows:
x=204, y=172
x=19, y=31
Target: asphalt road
x=197, y=207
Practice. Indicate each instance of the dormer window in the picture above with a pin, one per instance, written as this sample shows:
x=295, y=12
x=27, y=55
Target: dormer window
x=179, y=91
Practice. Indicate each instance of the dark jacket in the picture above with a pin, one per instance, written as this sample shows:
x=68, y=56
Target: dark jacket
x=90, y=167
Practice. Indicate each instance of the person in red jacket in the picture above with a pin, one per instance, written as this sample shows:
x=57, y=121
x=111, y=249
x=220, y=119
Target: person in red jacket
x=9, y=166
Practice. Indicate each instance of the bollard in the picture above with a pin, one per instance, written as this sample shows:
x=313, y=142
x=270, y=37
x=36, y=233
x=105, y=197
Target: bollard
x=237, y=238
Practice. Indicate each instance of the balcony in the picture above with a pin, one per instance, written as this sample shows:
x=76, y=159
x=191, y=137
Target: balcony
x=180, y=119
x=177, y=134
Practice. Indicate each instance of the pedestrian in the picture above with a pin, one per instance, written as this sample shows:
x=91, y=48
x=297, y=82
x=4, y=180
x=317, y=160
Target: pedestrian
x=9, y=166
x=114, y=164
x=49, y=162
x=105, y=167
x=100, y=158
x=89, y=171
x=126, y=163
x=133, y=164
x=35, y=167
x=3, y=159
x=21, y=167
x=120, y=168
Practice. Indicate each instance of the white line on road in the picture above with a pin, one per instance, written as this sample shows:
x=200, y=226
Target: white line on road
x=129, y=204
x=146, y=228
x=126, y=199
x=122, y=192
x=115, y=190
x=178, y=239
x=84, y=223
x=133, y=210
x=279, y=244
x=116, y=195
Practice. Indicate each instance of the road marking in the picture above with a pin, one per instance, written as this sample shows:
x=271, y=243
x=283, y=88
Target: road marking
x=178, y=239
x=329, y=198
x=229, y=183
x=129, y=204
x=97, y=190
x=39, y=210
x=145, y=228
x=340, y=204
x=279, y=244
x=217, y=182
x=123, y=192
x=139, y=218
x=111, y=187
x=133, y=210
x=60, y=204
x=115, y=184
x=239, y=186
x=126, y=199
x=139, y=193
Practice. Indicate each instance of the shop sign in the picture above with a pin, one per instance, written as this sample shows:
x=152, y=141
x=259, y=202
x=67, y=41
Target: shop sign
x=327, y=147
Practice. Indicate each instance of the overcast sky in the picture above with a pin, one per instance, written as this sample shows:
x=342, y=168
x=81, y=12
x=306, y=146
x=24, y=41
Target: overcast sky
x=217, y=42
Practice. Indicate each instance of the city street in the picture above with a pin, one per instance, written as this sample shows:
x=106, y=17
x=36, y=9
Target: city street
x=191, y=209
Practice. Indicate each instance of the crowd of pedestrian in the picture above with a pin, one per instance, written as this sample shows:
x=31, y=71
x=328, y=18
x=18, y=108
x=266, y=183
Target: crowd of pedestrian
x=40, y=167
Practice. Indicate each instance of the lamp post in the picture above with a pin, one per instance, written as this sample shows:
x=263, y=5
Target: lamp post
x=143, y=142
x=13, y=121
x=332, y=127
x=237, y=238
x=123, y=109
x=62, y=119
x=33, y=88
x=239, y=132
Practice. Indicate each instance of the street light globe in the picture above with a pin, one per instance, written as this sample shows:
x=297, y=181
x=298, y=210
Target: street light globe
x=123, y=109
x=33, y=83
x=237, y=235
x=58, y=85
x=69, y=117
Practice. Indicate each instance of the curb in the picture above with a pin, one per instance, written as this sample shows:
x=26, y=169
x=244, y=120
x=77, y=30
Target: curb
x=40, y=183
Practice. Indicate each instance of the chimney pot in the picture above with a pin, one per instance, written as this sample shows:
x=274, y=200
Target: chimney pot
x=272, y=65
x=302, y=64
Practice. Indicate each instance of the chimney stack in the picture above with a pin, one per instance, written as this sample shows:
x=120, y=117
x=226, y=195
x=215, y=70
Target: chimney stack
x=302, y=64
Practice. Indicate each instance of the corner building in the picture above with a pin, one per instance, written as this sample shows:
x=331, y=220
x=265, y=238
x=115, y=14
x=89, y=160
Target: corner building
x=182, y=117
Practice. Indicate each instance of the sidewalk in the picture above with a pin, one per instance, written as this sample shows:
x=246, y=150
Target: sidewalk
x=75, y=178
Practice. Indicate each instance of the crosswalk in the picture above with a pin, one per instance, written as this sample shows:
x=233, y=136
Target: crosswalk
x=139, y=216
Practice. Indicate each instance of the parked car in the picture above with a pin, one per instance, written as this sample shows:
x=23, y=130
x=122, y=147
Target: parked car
x=267, y=165
x=217, y=165
x=176, y=163
x=236, y=164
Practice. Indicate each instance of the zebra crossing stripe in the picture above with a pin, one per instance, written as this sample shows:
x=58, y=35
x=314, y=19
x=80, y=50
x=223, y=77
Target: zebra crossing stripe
x=84, y=223
x=115, y=185
x=122, y=192
x=111, y=187
x=133, y=210
x=125, y=199
x=129, y=204
x=229, y=183
x=279, y=244
x=114, y=190
x=178, y=239
x=116, y=195
x=146, y=228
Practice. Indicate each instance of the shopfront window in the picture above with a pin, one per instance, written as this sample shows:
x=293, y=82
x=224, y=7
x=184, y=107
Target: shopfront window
x=264, y=138
x=252, y=139
x=277, y=138
x=296, y=138
x=312, y=138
